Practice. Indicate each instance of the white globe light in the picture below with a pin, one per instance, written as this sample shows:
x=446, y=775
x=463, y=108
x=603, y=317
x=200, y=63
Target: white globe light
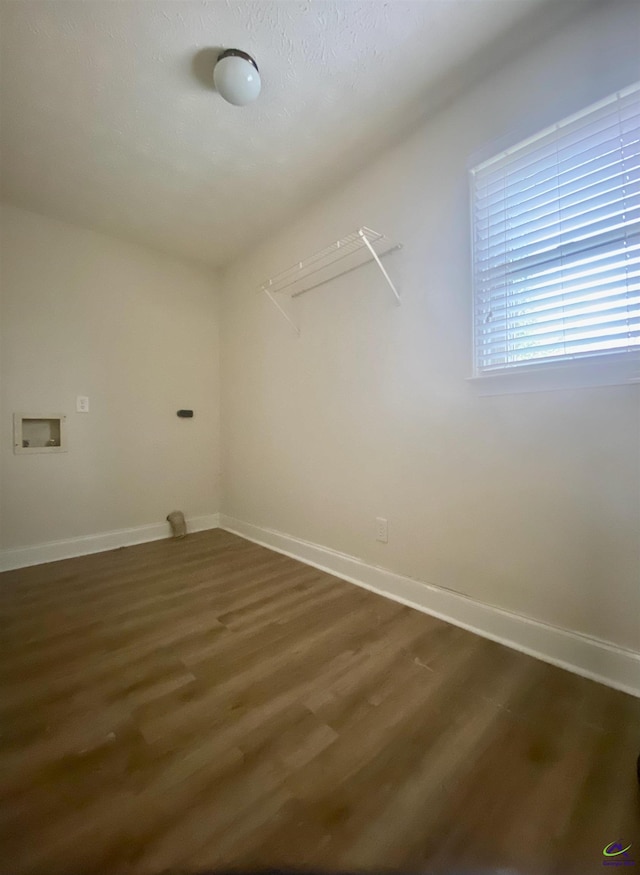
x=236, y=77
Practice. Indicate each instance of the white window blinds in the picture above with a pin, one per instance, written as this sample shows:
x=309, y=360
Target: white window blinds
x=556, y=241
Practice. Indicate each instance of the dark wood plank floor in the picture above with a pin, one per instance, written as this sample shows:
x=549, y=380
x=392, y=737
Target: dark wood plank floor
x=206, y=702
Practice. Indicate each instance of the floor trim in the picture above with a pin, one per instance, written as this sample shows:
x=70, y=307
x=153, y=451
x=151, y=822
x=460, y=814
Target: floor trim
x=581, y=654
x=21, y=557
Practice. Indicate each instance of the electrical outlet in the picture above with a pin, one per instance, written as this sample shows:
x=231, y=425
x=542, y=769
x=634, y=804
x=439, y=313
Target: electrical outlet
x=382, y=530
x=82, y=404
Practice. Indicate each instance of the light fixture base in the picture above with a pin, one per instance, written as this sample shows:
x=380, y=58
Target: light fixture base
x=237, y=53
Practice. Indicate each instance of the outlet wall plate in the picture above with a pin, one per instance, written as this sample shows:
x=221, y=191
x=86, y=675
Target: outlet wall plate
x=382, y=530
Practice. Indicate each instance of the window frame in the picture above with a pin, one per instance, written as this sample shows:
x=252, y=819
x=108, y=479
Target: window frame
x=607, y=369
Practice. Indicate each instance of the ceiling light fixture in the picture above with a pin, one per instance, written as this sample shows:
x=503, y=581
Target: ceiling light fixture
x=236, y=77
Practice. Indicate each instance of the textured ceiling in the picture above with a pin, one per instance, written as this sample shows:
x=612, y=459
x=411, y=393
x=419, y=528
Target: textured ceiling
x=109, y=118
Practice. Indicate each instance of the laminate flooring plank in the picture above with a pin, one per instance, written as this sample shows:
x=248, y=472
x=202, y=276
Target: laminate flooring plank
x=207, y=702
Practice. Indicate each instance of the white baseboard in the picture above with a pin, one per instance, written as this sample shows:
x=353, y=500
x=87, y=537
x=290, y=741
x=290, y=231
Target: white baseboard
x=21, y=557
x=582, y=654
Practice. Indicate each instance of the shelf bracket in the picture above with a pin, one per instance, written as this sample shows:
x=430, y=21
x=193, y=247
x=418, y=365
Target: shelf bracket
x=376, y=258
x=282, y=310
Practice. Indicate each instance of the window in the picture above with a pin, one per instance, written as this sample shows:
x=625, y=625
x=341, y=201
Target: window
x=556, y=242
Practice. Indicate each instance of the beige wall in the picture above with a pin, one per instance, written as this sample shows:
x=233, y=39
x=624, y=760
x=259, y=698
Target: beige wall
x=136, y=331
x=526, y=501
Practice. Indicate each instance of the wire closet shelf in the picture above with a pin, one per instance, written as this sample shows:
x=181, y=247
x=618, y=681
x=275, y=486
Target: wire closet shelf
x=345, y=255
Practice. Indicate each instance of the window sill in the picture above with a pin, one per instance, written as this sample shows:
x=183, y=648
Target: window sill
x=595, y=371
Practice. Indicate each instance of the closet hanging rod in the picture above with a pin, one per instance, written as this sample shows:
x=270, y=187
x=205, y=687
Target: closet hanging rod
x=341, y=248
x=328, y=264
x=394, y=247
x=293, y=280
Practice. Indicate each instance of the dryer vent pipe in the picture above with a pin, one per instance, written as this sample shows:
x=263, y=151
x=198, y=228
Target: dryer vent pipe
x=177, y=523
